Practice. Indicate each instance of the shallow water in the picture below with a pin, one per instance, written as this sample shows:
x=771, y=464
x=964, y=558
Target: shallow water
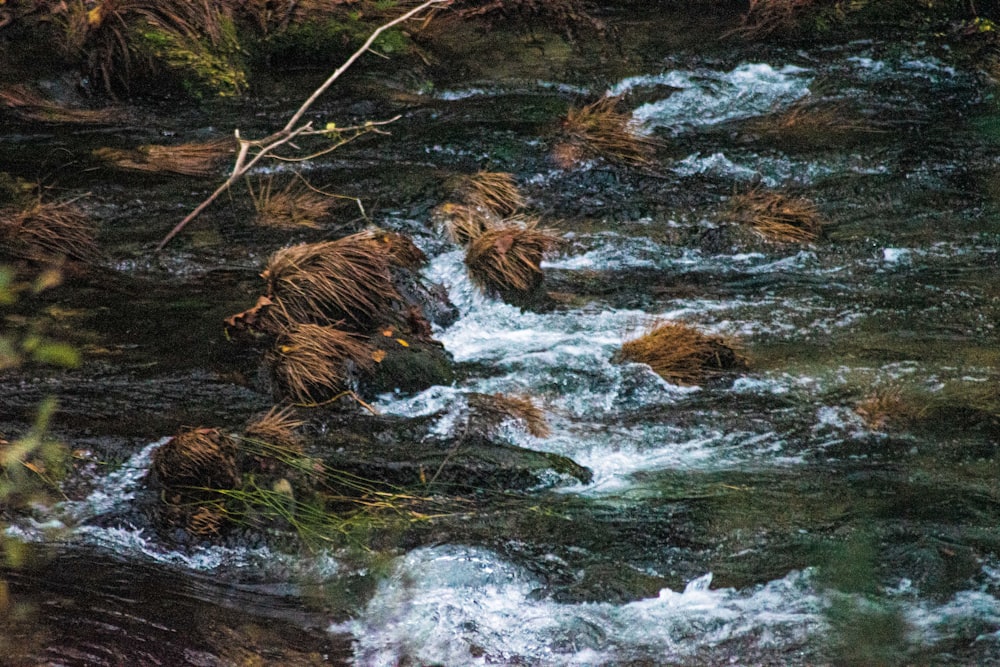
x=757, y=521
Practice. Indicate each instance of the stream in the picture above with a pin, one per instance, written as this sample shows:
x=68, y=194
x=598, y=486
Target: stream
x=759, y=520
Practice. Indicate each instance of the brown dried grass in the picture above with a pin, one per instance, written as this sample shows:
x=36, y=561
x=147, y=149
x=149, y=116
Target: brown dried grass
x=462, y=223
x=400, y=249
x=489, y=190
x=600, y=130
x=811, y=122
x=768, y=17
x=189, y=159
x=104, y=33
x=489, y=411
x=331, y=281
x=49, y=230
x=278, y=427
x=198, y=458
x=312, y=363
x=508, y=258
x=30, y=105
x=206, y=521
x=293, y=207
x=570, y=17
x=887, y=407
x=777, y=217
x=681, y=354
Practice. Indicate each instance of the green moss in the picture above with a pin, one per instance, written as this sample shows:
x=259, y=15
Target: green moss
x=203, y=69
x=328, y=40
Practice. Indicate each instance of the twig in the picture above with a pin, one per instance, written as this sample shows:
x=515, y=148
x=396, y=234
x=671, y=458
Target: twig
x=291, y=129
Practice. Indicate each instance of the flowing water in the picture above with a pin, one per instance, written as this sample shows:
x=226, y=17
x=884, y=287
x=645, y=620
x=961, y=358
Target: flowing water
x=760, y=520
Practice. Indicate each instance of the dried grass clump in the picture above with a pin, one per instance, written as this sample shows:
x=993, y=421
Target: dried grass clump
x=49, y=230
x=278, y=427
x=331, y=281
x=600, y=130
x=30, y=105
x=508, y=258
x=492, y=191
x=489, y=411
x=570, y=17
x=198, y=458
x=886, y=407
x=206, y=521
x=118, y=37
x=777, y=217
x=681, y=354
x=462, y=223
x=292, y=207
x=811, y=122
x=313, y=363
x=190, y=159
x=399, y=249
x=767, y=17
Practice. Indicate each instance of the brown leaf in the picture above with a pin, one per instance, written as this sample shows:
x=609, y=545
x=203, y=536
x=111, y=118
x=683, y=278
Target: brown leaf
x=378, y=356
x=504, y=243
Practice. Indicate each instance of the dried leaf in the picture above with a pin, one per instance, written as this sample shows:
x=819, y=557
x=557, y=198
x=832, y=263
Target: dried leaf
x=402, y=342
x=378, y=356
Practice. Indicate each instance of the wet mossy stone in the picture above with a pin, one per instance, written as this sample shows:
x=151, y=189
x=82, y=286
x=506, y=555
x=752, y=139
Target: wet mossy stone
x=397, y=451
x=406, y=365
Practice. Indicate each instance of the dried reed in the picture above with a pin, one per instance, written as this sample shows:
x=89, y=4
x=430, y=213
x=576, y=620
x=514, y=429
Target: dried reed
x=489, y=411
x=767, y=17
x=886, y=407
x=600, y=130
x=492, y=191
x=30, y=105
x=327, y=282
x=106, y=33
x=278, y=428
x=777, y=217
x=462, y=223
x=681, y=354
x=399, y=249
x=811, y=122
x=292, y=207
x=197, y=458
x=312, y=363
x=190, y=159
x=508, y=258
x=49, y=230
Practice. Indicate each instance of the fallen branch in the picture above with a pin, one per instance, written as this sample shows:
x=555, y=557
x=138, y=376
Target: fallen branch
x=245, y=161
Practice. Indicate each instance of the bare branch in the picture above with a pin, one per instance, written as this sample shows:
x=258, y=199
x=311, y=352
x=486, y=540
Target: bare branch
x=266, y=146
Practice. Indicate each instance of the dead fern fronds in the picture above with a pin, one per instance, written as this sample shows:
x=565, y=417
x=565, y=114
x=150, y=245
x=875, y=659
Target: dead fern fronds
x=462, y=223
x=600, y=130
x=197, y=458
x=293, y=207
x=489, y=411
x=777, y=217
x=30, y=105
x=331, y=281
x=507, y=259
x=312, y=363
x=189, y=159
x=49, y=230
x=681, y=354
x=492, y=191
